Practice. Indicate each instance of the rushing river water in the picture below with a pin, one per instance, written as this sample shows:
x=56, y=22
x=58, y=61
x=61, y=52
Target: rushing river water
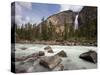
x=72, y=62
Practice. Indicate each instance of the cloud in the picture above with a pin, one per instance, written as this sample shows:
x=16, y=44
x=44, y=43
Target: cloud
x=64, y=7
x=74, y=8
x=21, y=20
x=27, y=5
x=25, y=13
x=21, y=6
x=27, y=18
x=20, y=9
x=35, y=19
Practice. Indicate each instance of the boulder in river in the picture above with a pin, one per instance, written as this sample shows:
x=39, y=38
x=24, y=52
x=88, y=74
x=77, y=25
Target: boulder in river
x=37, y=54
x=20, y=70
x=23, y=48
x=33, y=56
x=50, y=61
x=48, y=49
x=59, y=67
x=89, y=56
x=41, y=53
x=20, y=58
x=62, y=54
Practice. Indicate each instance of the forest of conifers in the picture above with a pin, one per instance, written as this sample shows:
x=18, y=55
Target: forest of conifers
x=29, y=32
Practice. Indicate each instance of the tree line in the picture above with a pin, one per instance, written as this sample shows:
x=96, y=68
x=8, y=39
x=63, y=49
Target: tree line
x=47, y=32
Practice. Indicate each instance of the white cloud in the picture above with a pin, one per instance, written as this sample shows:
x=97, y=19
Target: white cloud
x=64, y=7
x=27, y=5
x=19, y=19
x=20, y=6
x=19, y=10
x=27, y=19
x=70, y=7
x=76, y=8
x=35, y=19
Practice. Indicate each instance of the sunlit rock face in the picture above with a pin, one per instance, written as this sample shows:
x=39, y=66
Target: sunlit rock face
x=58, y=20
x=62, y=17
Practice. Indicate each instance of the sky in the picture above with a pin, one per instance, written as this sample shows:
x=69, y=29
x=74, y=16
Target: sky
x=33, y=12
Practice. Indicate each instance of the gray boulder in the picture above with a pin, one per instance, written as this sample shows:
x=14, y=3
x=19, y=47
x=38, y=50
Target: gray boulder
x=59, y=67
x=48, y=49
x=89, y=56
x=23, y=48
x=50, y=61
x=41, y=53
x=33, y=56
x=62, y=54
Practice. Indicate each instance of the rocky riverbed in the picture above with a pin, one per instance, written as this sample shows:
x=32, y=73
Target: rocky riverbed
x=70, y=61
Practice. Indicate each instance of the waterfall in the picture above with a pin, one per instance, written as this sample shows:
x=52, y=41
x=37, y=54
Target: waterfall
x=76, y=22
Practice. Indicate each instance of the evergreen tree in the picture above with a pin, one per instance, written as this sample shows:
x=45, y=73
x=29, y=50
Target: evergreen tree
x=44, y=30
x=65, y=31
x=51, y=31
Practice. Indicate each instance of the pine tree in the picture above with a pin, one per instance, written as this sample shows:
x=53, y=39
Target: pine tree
x=65, y=31
x=44, y=30
x=51, y=31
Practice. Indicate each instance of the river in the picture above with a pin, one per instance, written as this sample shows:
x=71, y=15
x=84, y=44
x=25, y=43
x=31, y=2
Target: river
x=72, y=62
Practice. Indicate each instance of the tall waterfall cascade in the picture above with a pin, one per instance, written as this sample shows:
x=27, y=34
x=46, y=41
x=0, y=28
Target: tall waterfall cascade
x=76, y=22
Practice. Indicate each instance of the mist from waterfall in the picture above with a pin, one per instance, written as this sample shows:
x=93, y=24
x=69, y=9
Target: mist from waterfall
x=76, y=22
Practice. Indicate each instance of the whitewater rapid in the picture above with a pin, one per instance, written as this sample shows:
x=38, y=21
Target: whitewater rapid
x=72, y=62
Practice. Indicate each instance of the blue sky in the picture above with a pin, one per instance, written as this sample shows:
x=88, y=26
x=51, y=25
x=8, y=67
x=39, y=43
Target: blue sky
x=34, y=12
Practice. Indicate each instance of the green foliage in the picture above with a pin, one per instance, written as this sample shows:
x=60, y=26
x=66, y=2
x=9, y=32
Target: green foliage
x=44, y=31
x=51, y=31
x=47, y=31
x=65, y=31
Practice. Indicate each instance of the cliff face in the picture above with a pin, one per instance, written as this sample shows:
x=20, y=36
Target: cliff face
x=87, y=15
x=58, y=20
x=88, y=22
x=62, y=17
